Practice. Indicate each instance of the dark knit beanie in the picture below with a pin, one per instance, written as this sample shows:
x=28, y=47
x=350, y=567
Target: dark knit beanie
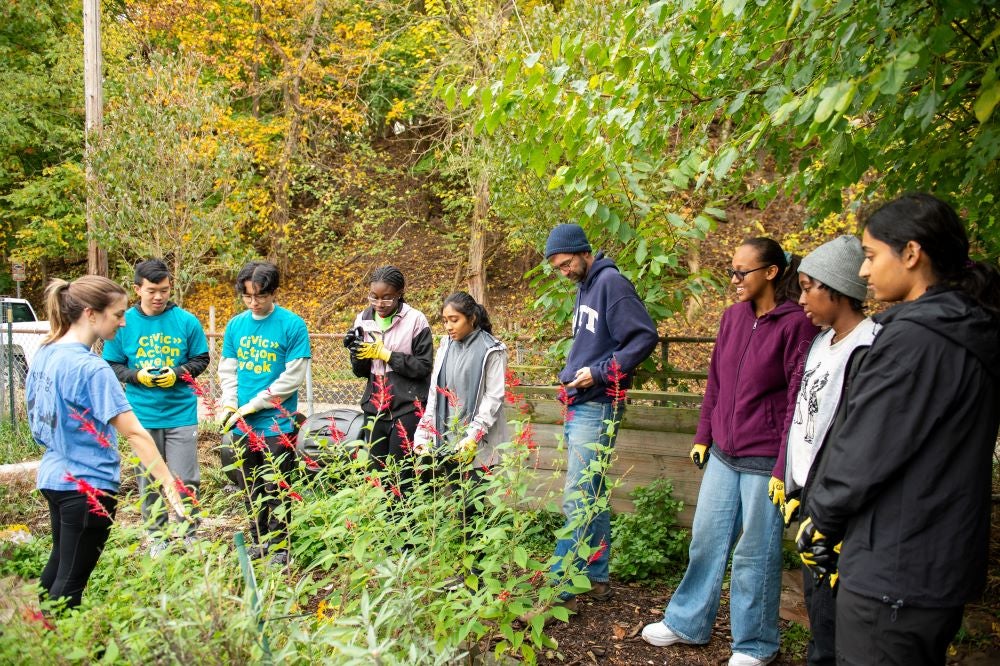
x=566, y=239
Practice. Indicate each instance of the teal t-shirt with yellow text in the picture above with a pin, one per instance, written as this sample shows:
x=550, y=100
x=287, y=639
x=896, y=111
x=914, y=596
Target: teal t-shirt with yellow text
x=262, y=349
x=168, y=339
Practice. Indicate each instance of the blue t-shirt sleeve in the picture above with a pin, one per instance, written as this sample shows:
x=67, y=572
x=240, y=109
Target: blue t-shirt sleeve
x=104, y=394
x=197, y=343
x=298, y=340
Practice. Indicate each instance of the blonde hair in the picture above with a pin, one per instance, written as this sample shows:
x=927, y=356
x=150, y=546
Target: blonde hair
x=66, y=301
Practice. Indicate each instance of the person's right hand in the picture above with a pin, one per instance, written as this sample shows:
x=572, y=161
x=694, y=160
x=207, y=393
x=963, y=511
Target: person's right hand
x=699, y=455
x=146, y=378
x=790, y=511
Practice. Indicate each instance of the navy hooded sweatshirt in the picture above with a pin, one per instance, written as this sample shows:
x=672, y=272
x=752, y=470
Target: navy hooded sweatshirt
x=609, y=321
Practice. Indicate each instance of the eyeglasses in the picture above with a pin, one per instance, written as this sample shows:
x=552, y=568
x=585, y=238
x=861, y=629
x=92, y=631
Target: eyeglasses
x=564, y=266
x=258, y=298
x=741, y=275
x=382, y=301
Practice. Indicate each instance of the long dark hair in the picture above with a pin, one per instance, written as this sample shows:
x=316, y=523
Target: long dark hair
x=786, y=284
x=467, y=305
x=939, y=231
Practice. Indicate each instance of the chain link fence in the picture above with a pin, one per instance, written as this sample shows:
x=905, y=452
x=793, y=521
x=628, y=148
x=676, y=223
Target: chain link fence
x=330, y=382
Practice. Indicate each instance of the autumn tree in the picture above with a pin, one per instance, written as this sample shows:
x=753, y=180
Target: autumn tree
x=170, y=183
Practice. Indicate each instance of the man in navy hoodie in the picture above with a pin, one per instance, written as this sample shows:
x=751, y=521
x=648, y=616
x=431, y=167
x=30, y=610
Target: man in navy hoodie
x=612, y=335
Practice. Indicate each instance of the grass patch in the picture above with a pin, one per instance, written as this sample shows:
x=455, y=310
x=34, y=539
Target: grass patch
x=16, y=443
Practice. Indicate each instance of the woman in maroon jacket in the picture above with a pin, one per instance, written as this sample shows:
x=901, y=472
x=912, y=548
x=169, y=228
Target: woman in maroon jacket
x=751, y=382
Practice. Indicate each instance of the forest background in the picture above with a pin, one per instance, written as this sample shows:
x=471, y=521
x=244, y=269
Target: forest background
x=448, y=136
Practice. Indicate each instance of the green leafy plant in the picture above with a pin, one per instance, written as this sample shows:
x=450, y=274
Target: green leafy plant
x=648, y=542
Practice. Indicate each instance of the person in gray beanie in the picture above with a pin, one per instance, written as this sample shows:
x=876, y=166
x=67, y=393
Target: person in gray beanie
x=832, y=297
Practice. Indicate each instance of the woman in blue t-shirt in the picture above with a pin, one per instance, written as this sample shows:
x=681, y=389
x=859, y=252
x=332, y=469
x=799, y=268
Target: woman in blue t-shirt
x=76, y=407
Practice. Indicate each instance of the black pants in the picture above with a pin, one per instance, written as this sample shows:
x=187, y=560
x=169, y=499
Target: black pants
x=387, y=443
x=872, y=632
x=269, y=513
x=822, y=608
x=78, y=538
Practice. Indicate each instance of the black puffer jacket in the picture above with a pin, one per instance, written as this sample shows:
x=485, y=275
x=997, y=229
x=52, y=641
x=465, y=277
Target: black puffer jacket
x=906, y=479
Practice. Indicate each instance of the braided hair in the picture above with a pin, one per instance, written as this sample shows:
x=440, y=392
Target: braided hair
x=391, y=276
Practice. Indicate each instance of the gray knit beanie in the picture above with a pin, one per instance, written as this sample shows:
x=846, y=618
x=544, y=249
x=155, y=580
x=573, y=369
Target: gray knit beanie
x=836, y=264
x=568, y=239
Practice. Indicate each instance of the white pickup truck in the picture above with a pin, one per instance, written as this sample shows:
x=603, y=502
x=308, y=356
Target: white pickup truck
x=26, y=332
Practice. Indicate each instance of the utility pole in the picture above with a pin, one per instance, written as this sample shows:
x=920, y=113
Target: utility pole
x=93, y=91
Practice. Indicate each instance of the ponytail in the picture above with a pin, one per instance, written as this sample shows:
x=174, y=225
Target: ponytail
x=786, y=284
x=66, y=301
x=981, y=282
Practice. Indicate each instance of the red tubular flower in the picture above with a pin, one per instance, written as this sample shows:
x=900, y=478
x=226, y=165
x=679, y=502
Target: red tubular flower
x=396, y=491
x=295, y=496
x=91, y=493
x=283, y=484
x=286, y=441
x=566, y=399
x=310, y=463
x=256, y=442
x=616, y=376
x=535, y=577
x=277, y=404
x=418, y=408
x=335, y=434
x=450, y=396
x=503, y=596
x=404, y=437
x=511, y=381
x=526, y=437
x=37, y=616
x=200, y=391
x=429, y=429
x=274, y=427
x=382, y=395
x=184, y=491
x=349, y=524
x=597, y=553
x=374, y=480
x=87, y=426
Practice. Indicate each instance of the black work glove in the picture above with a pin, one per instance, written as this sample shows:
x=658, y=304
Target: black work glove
x=817, y=552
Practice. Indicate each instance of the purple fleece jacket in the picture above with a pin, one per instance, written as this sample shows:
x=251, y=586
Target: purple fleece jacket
x=753, y=378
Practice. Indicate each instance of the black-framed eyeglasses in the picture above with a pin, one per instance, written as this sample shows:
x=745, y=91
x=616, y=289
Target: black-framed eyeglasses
x=382, y=301
x=741, y=275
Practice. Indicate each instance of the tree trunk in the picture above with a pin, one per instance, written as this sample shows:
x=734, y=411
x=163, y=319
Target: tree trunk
x=476, y=274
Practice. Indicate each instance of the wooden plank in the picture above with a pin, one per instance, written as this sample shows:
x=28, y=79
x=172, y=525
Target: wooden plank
x=637, y=417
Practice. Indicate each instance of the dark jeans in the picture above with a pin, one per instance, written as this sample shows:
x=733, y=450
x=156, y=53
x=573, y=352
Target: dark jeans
x=822, y=608
x=386, y=443
x=870, y=631
x=269, y=514
x=78, y=538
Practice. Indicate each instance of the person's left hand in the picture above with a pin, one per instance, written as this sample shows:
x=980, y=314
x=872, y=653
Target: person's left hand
x=374, y=350
x=166, y=378
x=465, y=450
x=815, y=550
x=776, y=491
x=235, y=417
x=582, y=379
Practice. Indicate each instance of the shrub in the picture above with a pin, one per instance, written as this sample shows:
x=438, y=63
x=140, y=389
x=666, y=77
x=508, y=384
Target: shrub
x=648, y=543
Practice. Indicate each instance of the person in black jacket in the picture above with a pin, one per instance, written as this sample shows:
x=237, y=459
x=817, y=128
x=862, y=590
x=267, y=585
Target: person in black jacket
x=905, y=482
x=392, y=346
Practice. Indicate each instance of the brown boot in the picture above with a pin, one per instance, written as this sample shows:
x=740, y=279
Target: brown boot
x=600, y=591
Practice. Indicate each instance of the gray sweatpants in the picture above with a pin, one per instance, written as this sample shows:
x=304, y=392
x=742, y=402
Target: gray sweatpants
x=179, y=448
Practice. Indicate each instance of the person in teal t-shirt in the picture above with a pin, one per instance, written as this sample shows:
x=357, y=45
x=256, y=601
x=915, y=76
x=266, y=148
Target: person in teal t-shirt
x=265, y=357
x=161, y=344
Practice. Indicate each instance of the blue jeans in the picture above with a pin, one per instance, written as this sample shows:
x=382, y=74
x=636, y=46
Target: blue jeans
x=589, y=451
x=730, y=502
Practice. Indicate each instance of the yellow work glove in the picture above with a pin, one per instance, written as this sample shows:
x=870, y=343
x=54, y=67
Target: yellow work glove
x=835, y=576
x=699, y=455
x=146, y=378
x=166, y=378
x=815, y=550
x=465, y=451
x=235, y=416
x=790, y=511
x=374, y=350
x=776, y=491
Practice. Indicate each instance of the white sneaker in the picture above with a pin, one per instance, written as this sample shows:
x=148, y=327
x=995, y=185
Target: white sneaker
x=740, y=659
x=157, y=548
x=659, y=634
